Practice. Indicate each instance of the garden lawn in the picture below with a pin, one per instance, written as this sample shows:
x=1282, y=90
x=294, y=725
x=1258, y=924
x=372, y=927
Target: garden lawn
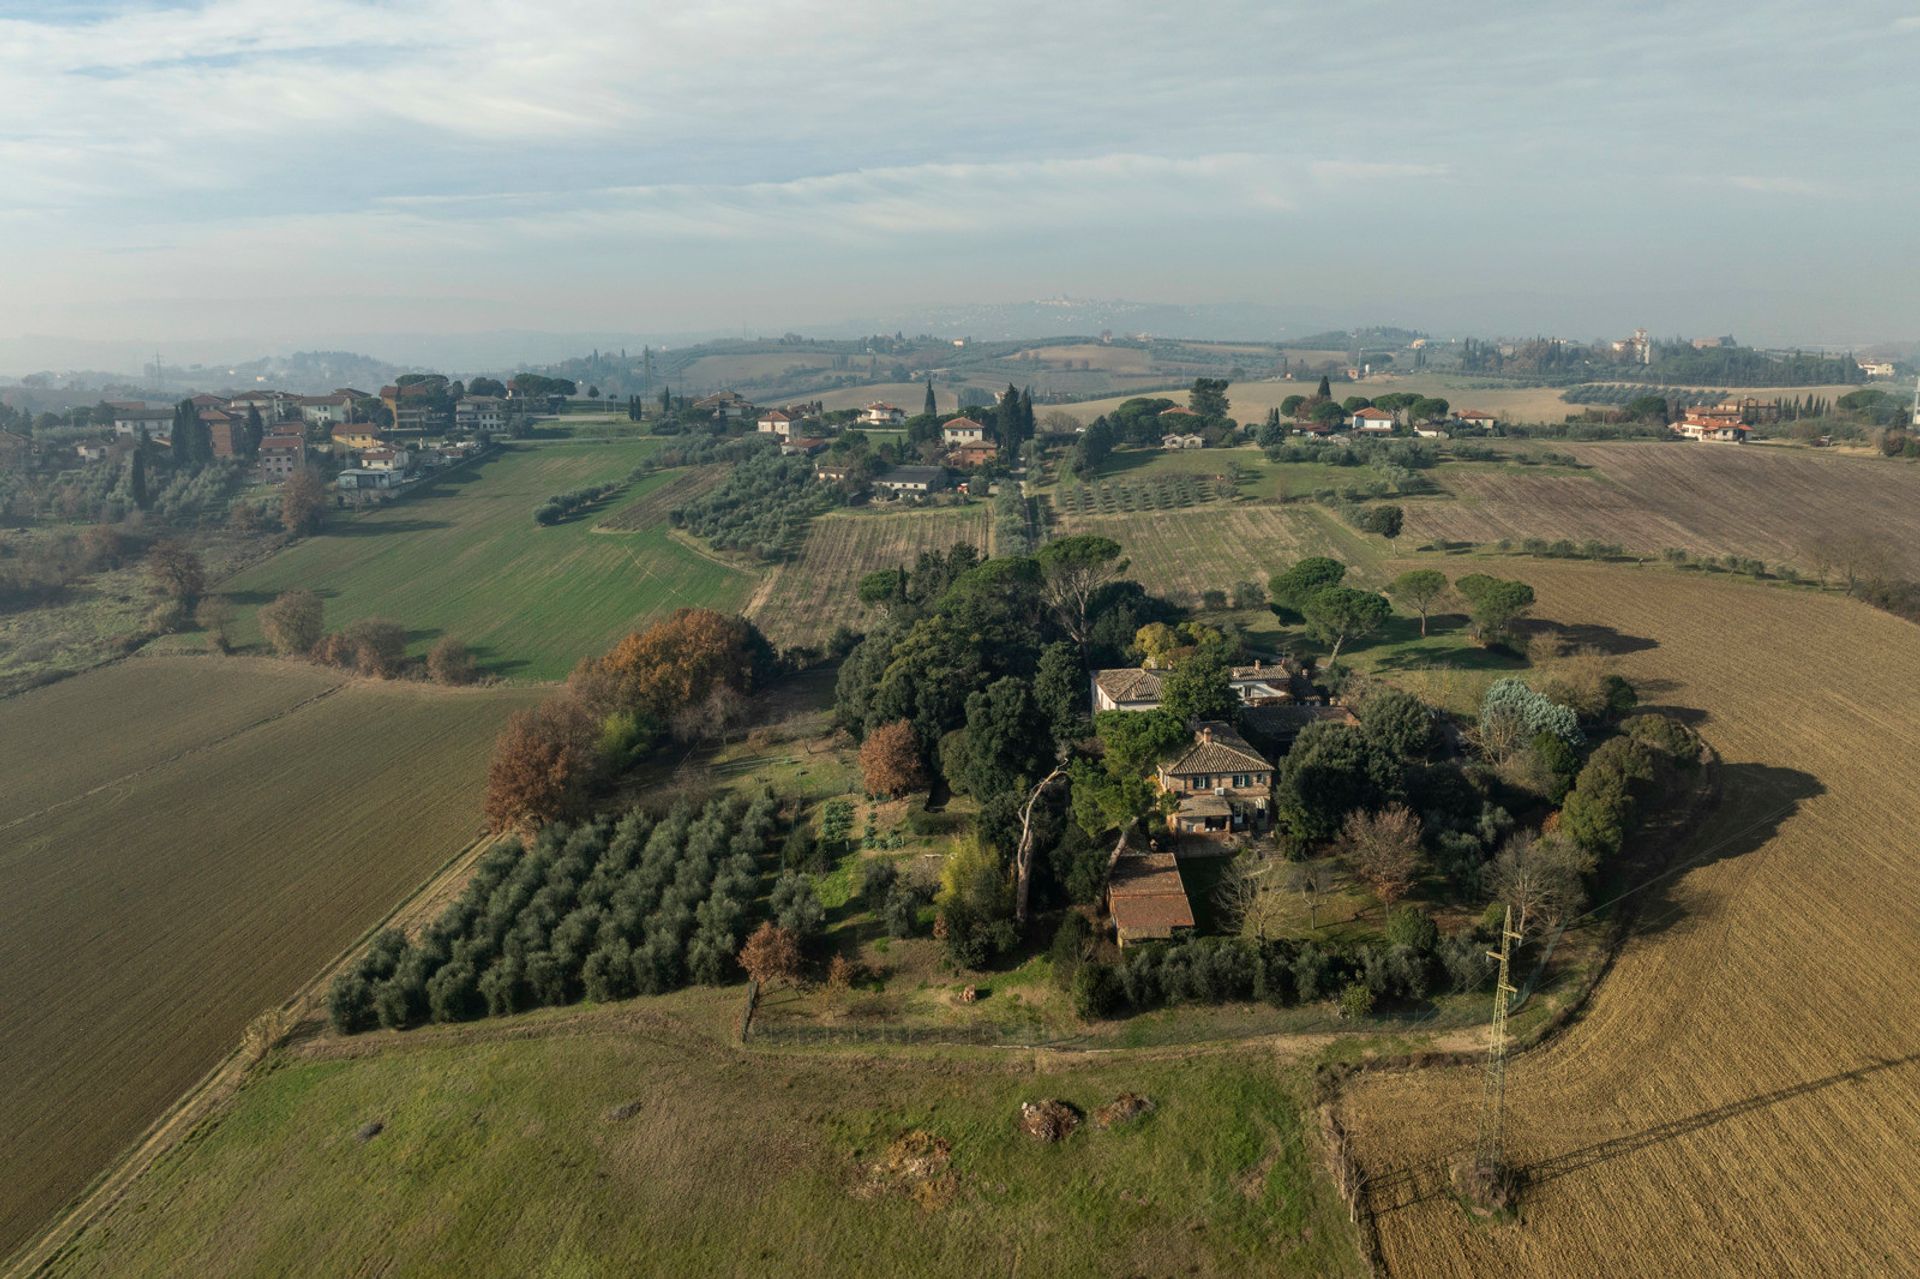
x=464, y=558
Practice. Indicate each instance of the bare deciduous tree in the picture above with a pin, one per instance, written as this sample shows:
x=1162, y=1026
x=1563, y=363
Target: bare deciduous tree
x=1384, y=850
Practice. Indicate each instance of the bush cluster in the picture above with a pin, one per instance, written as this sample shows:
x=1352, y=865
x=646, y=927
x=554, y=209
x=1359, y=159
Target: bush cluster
x=561, y=506
x=603, y=910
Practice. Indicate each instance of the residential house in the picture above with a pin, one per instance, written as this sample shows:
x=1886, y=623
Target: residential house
x=282, y=455
x=911, y=481
x=272, y=404
x=962, y=430
x=133, y=420
x=1176, y=411
x=385, y=459
x=1223, y=785
x=1476, y=419
x=802, y=446
x=1126, y=688
x=1146, y=899
x=1876, y=368
x=882, y=414
x=1371, y=421
x=84, y=451
x=1263, y=683
x=225, y=432
x=832, y=472
x=1189, y=441
x=776, y=422
x=969, y=456
x=472, y=413
x=363, y=478
x=1320, y=430
x=416, y=407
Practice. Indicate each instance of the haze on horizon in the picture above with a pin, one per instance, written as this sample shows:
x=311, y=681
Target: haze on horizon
x=289, y=170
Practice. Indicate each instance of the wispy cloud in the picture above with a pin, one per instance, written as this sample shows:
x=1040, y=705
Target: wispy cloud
x=1776, y=184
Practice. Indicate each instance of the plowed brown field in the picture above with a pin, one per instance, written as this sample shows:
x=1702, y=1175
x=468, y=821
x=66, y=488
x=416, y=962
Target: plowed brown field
x=1743, y=1094
x=1713, y=499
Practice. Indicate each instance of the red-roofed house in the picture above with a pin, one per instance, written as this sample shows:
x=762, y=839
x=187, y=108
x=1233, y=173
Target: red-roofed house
x=973, y=454
x=1699, y=425
x=1371, y=421
x=963, y=430
x=1474, y=417
x=282, y=455
x=879, y=413
x=775, y=422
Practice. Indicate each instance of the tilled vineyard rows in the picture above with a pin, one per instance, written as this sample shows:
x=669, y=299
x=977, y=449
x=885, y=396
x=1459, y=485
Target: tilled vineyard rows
x=659, y=496
x=1180, y=554
x=1707, y=499
x=807, y=598
x=1741, y=1095
x=146, y=923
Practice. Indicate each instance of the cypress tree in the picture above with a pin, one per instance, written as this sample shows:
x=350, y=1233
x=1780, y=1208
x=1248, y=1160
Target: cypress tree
x=255, y=430
x=1326, y=388
x=137, y=471
x=930, y=405
x=666, y=399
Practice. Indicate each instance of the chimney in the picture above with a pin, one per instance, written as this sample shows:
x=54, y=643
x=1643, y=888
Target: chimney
x=1206, y=732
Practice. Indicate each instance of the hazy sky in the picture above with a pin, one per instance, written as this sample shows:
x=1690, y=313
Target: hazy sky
x=281, y=170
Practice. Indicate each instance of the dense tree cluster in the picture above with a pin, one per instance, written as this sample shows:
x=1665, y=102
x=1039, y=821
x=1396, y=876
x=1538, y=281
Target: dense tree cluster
x=603, y=911
x=762, y=506
x=561, y=506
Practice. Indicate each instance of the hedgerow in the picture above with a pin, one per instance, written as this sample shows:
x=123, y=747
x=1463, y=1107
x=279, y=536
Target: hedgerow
x=603, y=910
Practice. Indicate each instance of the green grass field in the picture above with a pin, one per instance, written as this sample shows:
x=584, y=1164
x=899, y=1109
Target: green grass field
x=465, y=558
x=186, y=841
x=668, y=1152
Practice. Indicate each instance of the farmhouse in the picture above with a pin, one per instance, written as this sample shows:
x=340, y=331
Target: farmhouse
x=1176, y=411
x=1706, y=424
x=1146, y=899
x=1126, y=688
x=970, y=455
x=775, y=422
x=1476, y=419
x=1371, y=421
x=1223, y=784
x=1276, y=726
x=882, y=414
x=910, y=481
x=801, y=446
x=1188, y=441
x=962, y=430
x=723, y=405
x=832, y=472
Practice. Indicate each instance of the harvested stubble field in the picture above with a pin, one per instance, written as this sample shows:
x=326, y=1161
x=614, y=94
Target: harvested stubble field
x=1741, y=1096
x=1763, y=502
x=805, y=599
x=186, y=841
x=670, y=1152
x=464, y=558
x=1181, y=553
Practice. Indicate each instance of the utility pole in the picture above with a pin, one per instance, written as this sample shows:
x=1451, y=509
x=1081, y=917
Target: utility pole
x=1489, y=1152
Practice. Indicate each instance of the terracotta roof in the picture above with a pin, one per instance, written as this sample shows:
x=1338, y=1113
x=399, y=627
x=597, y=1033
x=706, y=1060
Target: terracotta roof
x=1374, y=415
x=281, y=444
x=1146, y=896
x=776, y=415
x=1218, y=749
x=1129, y=684
x=1205, y=806
x=1176, y=409
x=1470, y=413
x=961, y=423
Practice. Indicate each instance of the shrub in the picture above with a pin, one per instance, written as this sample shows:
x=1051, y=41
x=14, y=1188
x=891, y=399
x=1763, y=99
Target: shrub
x=1069, y=945
x=450, y=662
x=1408, y=925
x=293, y=624
x=1095, y=990
x=901, y=916
x=1356, y=1001
x=796, y=906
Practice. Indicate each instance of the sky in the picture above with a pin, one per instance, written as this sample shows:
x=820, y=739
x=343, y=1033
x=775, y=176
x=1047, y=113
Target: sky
x=281, y=172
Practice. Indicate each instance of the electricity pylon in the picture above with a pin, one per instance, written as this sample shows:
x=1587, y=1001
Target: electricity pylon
x=1489, y=1154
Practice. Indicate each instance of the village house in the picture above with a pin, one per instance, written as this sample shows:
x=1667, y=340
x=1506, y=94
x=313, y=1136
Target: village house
x=911, y=481
x=882, y=414
x=832, y=472
x=272, y=405
x=355, y=435
x=777, y=422
x=1146, y=899
x=385, y=459
x=282, y=455
x=1476, y=419
x=801, y=446
x=1319, y=430
x=224, y=431
x=473, y=413
x=962, y=430
x=361, y=479
x=1263, y=683
x=1371, y=421
x=1876, y=368
x=1223, y=785
x=205, y=401
x=324, y=410
x=1188, y=441
x=1706, y=425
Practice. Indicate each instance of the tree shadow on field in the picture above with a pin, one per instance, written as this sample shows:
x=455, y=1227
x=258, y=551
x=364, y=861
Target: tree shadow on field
x=1573, y=636
x=1600, y=1152
x=1755, y=801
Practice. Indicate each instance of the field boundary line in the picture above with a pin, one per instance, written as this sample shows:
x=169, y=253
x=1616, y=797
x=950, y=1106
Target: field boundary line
x=189, y=752
x=203, y=1101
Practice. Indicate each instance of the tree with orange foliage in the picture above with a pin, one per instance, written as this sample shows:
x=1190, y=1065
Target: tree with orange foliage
x=543, y=762
x=890, y=760
x=771, y=954
x=1384, y=850
x=673, y=664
